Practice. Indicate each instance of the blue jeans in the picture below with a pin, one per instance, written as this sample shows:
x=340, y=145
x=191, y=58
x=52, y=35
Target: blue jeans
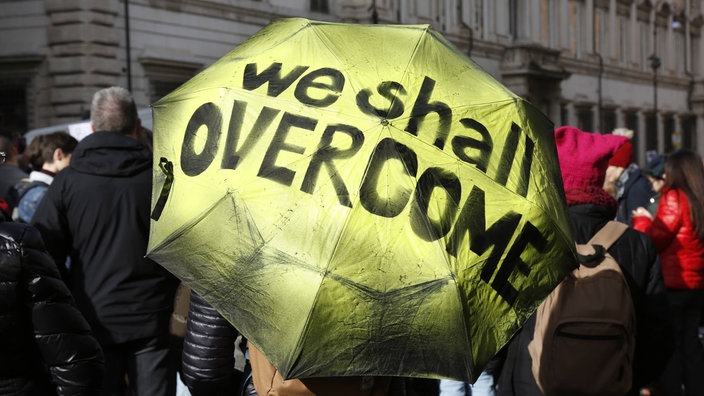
x=483, y=387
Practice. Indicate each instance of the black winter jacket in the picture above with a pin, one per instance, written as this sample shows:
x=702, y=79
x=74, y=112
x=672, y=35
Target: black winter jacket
x=97, y=212
x=639, y=261
x=46, y=346
x=208, y=363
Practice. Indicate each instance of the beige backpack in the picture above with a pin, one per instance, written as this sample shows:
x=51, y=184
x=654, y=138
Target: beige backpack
x=584, y=337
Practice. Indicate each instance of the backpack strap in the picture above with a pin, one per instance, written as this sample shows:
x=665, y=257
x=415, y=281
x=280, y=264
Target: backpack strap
x=608, y=234
x=591, y=253
x=24, y=186
x=13, y=195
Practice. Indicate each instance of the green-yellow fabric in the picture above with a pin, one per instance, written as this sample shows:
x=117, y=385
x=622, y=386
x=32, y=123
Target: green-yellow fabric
x=360, y=200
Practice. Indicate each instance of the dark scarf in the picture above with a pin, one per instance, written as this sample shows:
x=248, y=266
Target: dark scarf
x=47, y=172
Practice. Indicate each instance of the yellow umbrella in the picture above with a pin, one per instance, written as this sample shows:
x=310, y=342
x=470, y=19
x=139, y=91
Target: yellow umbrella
x=359, y=200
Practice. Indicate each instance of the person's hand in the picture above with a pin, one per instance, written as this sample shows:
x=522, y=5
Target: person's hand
x=641, y=211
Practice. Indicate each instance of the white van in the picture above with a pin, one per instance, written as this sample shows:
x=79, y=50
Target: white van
x=80, y=129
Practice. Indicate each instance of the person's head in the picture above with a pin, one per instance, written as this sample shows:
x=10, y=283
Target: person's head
x=655, y=171
x=51, y=152
x=113, y=110
x=684, y=170
x=583, y=158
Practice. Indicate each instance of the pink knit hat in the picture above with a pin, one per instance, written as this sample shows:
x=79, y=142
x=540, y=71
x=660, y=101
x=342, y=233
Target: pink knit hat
x=584, y=156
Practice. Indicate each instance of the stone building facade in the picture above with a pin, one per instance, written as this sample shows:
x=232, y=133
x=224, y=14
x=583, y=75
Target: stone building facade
x=596, y=64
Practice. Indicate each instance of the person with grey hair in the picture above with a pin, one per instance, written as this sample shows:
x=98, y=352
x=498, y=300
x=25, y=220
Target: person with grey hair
x=96, y=211
x=114, y=110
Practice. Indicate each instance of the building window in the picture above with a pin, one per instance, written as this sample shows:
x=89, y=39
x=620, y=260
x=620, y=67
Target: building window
x=609, y=120
x=159, y=89
x=645, y=50
x=662, y=47
x=502, y=15
x=13, y=108
x=673, y=139
x=513, y=19
x=585, y=118
x=689, y=133
x=601, y=27
x=679, y=57
x=545, y=22
x=548, y=18
x=166, y=75
x=319, y=6
x=624, y=39
x=631, y=120
x=479, y=18
x=564, y=115
x=18, y=94
x=576, y=27
x=696, y=52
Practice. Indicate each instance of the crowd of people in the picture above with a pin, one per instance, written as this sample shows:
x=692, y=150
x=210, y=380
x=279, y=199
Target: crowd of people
x=90, y=220
x=83, y=312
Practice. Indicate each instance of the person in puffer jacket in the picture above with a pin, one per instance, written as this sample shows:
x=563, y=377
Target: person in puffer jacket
x=46, y=346
x=677, y=231
x=208, y=364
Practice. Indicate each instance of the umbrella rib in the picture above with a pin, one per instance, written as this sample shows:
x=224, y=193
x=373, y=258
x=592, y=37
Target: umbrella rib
x=410, y=60
x=190, y=224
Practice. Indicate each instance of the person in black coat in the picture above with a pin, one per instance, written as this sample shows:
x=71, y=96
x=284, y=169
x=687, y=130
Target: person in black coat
x=590, y=207
x=46, y=346
x=96, y=211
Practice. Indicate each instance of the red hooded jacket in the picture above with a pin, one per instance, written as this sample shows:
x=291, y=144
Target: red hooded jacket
x=672, y=232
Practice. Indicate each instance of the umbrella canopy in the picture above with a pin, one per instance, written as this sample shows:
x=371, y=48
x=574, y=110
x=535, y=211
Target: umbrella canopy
x=359, y=200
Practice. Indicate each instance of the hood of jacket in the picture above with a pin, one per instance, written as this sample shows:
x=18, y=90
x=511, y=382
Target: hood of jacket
x=110, y=153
